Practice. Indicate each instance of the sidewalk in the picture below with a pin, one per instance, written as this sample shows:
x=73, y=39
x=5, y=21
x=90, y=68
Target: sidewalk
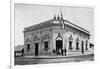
x=55, y=57
x=28, y=60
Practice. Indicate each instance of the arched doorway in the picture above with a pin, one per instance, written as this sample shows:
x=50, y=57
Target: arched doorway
x=82, y=47
x=59, y=43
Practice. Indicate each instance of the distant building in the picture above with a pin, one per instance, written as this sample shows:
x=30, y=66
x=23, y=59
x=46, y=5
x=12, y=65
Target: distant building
x=56, y=37
x=19, y=51
x=92, y=48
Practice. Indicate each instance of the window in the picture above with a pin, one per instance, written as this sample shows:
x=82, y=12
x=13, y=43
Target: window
x=46, y=45
x=70, y=45
x=28, y=47
x=77, y=45
x=70, y=42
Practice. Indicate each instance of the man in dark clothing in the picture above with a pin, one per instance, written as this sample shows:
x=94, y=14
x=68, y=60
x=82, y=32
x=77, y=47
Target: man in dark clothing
x=54, y=51
x=62, y=52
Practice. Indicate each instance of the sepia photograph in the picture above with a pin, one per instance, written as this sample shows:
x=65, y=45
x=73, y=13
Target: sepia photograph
x=46, y=34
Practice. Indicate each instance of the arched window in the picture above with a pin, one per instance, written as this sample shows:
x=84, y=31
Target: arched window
x=70, y=42
x=77, y=43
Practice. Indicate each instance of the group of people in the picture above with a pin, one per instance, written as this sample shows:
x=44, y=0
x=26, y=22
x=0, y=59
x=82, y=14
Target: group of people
x=60, y=52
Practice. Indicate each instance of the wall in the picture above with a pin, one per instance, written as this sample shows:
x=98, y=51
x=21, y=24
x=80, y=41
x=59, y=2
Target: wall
x=65, y=35
x=39, y=36
x=50, y=34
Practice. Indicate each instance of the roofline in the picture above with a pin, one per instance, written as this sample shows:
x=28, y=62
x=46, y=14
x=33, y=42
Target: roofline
x=37, y=24
x=80, y=28
x=77, y=26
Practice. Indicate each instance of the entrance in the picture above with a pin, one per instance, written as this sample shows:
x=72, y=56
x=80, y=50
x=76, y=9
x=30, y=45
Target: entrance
x=36, y=49
x=82, y=47
x=59, y=45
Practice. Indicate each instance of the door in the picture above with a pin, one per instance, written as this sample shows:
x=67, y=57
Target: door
x=58, y=45
x=36, y=49
x=82, y=47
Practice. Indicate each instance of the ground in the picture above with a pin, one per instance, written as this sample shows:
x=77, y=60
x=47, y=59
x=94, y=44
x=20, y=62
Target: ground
x=48, y=59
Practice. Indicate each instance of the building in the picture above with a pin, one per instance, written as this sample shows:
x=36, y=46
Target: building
x=92, y=48
x=56, y=37
x=19, y=51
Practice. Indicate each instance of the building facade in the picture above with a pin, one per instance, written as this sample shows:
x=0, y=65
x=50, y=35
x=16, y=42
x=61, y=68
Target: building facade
x=56, y=37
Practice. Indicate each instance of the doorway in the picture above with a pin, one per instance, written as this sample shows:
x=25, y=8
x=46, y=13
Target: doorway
x=59, y=45
x=36, y=49
x=82, y=47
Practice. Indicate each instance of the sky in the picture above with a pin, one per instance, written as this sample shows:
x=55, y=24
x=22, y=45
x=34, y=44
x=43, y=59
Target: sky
x=31, y=14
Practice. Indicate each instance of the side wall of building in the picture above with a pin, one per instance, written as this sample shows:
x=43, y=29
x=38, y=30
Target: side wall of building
x=76, y=36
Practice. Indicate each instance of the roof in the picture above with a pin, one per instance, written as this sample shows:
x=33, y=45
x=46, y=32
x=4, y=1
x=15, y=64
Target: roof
x=39, y=26
x=51, y=22
x=18, y=48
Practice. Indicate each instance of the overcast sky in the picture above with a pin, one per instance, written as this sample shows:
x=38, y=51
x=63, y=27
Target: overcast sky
x=27, y=15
